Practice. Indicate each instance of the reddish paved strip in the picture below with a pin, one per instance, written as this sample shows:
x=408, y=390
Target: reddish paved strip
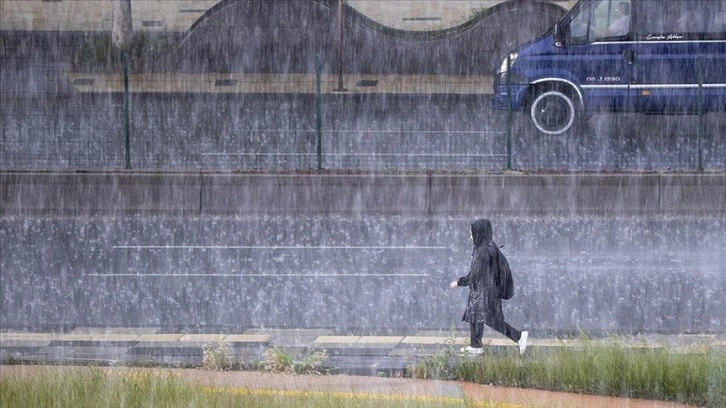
x=538, y=398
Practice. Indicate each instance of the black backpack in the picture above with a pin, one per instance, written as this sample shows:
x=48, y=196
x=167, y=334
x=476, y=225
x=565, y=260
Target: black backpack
x=505, y=283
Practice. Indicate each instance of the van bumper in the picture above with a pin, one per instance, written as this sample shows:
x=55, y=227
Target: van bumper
x=508, y=97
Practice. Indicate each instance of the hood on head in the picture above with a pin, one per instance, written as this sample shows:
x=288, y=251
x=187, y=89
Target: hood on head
x=481, y=231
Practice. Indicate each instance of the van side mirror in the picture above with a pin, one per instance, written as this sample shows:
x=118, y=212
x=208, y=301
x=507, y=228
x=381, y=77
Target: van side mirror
x=559, y=34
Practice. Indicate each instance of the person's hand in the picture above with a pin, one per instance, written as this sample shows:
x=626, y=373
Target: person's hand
x=453, y=284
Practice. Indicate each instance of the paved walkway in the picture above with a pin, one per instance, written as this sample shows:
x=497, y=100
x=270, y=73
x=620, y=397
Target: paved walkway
x=361, y=366
x=345, y=387
x=347, y=354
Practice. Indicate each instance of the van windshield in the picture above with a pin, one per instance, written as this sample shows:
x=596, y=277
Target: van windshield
x=600, y=20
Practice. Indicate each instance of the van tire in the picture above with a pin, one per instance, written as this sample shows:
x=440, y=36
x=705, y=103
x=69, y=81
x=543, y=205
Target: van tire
x=554, y=111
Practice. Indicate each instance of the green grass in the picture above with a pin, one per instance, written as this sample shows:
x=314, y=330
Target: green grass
x=611, y=368
x=697, y=377
x=94, y=387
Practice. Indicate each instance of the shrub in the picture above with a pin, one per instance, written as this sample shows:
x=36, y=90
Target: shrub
x=280, y=360
x=217, y=357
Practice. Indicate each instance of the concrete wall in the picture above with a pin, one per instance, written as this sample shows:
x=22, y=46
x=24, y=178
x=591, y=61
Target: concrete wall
x=224, y=252
x=228, y=194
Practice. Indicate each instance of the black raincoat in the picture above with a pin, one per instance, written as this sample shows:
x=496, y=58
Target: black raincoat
x=489, y=278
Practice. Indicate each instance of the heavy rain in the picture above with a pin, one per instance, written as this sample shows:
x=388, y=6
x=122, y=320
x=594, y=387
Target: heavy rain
x=241, y=166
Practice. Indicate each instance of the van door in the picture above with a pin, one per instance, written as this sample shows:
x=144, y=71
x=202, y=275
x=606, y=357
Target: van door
x=679, y=43
x=600, y=53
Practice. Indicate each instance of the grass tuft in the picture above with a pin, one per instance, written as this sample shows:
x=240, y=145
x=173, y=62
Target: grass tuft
x=217, y=357
x=281, y=360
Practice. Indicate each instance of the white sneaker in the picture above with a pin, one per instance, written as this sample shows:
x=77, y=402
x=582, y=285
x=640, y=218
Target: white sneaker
x=472, y=350
x=522, y=343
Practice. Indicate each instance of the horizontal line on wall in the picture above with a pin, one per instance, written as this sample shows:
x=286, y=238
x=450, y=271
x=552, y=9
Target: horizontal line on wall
x=318, y=247
x=353, y=154
x=256, y=275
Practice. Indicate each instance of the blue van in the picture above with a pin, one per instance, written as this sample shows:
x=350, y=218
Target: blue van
x=615, y=55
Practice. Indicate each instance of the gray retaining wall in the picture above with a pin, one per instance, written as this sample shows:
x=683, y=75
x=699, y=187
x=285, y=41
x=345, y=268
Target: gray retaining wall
x=225, y=252
x=415, y=195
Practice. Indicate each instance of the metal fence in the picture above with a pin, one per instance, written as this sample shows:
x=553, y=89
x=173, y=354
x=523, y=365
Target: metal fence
x=56, y=119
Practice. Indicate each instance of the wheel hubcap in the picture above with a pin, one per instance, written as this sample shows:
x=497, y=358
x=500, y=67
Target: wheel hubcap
x=553, y=112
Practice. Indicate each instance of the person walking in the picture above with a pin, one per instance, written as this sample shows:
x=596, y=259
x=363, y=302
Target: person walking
x=489, y=280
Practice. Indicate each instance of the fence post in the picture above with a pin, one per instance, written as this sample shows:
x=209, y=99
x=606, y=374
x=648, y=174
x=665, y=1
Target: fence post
x=699, y=75
x=127, y=124
x=122, y=34
x=340, y=47
x=509, y=115
x=318, y=113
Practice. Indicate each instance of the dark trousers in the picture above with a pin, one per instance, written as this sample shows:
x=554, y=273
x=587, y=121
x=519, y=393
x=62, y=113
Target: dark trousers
x=497, y=323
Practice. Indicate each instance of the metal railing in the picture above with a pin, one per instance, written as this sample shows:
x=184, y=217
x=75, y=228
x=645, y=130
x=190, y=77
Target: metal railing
x=54, y=120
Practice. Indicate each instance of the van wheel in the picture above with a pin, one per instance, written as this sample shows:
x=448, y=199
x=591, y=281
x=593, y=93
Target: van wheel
x=554, y=112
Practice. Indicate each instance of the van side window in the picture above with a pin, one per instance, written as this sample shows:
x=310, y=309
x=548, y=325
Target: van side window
x=603, y=20
x=684, y=20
